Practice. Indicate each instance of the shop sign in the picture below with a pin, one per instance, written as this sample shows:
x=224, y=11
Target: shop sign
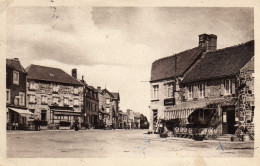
x=170, y=101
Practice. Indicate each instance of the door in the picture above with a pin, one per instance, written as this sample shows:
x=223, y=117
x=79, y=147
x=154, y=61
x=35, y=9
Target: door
x=228, y=120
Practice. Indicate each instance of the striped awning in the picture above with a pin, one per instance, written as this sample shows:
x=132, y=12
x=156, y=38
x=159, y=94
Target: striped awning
x=184, y=109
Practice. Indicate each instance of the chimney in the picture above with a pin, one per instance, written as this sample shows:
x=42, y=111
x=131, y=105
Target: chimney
x=208, y=42
x=99, y=88
x=16, y=59
x=74, y=73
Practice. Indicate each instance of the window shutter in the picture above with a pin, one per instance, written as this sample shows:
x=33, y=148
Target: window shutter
x=151, y=92
x=186, y=92
x=206, y=89
x=233, y=84
x=222, y=87
x=195, y=91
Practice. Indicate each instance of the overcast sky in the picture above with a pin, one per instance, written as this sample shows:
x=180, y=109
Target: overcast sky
x=115, y=47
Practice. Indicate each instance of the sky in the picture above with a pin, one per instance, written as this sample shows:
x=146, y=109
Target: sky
x=115, y=47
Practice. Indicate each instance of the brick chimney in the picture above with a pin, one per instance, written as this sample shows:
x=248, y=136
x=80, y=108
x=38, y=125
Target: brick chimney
x=208, y=42
x=74, y=73
x=99, y=88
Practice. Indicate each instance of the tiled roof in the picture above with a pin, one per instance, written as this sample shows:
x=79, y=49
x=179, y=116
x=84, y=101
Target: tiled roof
x=50, y=74
x=165, y=68
x=221, y=63
x=15, y=64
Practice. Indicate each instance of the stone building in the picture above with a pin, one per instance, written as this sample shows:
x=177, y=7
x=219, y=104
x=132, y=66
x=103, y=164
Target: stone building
x=17, y=112
x=167, y=73
x=53, y=95
x=122, y=118
x=213, y=86
x=109, y=102
x=91, y=105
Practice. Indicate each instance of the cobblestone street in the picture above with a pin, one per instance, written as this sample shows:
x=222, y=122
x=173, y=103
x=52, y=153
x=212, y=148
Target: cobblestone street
x=115, y=143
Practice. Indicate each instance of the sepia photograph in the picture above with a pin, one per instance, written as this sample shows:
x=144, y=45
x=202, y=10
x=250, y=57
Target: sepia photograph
x=129, y=82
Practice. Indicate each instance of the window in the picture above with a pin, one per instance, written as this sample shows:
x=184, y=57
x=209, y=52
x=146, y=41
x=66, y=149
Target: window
x=21, y=99
x=8, y=95
x=76, y=91
x=227, y=86
x=201, y=90
x=107, y=101
x=155, y=91
x=55, y=88
x=32, y=110
x=76, y=102
x=32, y=85
x=16, y=77
x=43, y=115
x=170, y=90
x=32, y=99
x=107, y=109
x=66, y=101
x=44, y=99
x=190, y=92
x=55, y=100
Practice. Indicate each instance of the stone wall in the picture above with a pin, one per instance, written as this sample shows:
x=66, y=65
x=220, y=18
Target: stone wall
x=245, y=105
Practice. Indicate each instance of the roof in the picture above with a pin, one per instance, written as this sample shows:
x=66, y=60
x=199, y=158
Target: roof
x=15, y=64
x=221, y=63
x=116, y=95
x=50, y=74
x=165, y=68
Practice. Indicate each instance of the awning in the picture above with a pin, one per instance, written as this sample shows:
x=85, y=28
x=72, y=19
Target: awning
x=21, y=111
x=66, y=112
x=184, y=109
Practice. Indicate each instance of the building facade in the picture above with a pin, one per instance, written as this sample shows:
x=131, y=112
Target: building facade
x=109, y=103
x=218, y=89
x=17, y=112
x=167, y=73
x=91, y=105
x=53, y=95
x=122, y=117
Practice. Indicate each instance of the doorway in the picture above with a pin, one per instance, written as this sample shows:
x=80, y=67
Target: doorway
x=228, y=120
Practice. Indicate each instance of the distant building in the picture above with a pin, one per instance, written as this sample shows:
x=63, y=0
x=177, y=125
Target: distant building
x=17, y=112
x=109, y=102
x=137, y=122
x=122, y=117
x=53, y=95
x=91, y=105
x=130, y=118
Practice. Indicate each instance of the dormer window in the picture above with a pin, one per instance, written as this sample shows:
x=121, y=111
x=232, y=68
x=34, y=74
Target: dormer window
x=55, y=100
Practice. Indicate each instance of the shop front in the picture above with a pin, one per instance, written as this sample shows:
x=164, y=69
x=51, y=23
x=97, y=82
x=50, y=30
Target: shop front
x=62, y=116
x=17, y=118
x=215, y=115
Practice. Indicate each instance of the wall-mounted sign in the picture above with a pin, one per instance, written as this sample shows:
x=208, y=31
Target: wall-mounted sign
x=170, y=101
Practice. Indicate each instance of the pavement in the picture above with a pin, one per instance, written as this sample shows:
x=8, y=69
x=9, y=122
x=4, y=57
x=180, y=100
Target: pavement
x=116, y=143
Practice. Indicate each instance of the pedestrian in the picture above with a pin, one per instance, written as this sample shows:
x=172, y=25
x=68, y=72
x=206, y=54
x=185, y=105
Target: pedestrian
x=76, y=124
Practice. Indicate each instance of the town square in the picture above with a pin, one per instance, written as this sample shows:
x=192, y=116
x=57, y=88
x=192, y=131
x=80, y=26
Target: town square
x=130, y=82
